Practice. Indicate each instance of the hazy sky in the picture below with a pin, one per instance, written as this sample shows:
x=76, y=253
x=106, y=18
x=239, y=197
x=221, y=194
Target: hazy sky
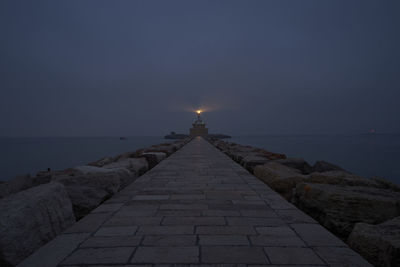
x=112, y=68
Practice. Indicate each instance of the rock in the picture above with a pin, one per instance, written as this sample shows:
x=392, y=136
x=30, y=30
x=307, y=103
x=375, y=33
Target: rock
x=128, y=155
x=101, y=162
x=21, y=182
x=153, y=158
x=279, y=177
x=91, y=170
x=252, y=160
x=379, y=244
x=383, y=183
x=323, y=166
x=237, y=153
x=179, y=144
x=167, y=148
x=90, y=186
x=69, y=171
x=284, y=179
x=339, y=178
x=271, y=155
x=111, y=180
x=137, y=166
x=31, y=218
x=248, y=156
x=339, y=207
x=85, y=198
x=297, y=163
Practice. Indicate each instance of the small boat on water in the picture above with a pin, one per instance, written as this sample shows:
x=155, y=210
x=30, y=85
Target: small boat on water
x=122, y=138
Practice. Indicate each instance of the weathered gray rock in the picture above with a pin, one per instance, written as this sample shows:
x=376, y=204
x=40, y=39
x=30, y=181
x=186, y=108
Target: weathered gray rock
x=379, y=244
x=238, y=153
x=153, y=158
x=247, y=156
x=69, y=171
x=31, y=218
x=279, y=177
x=124, y=175
x=180, y=143
x=137, y=166
x=323, y=166
x=86, y=169
x=338, y=208
x=85, y=198
x=128, y=155
x=297, y=163
x=110, y=180
x=167, y=148
x=284, y=179
x=339, y=178
x=252, y=160
x=102, y=162
x=89, y=186
x=383, y=183
x=21, y=182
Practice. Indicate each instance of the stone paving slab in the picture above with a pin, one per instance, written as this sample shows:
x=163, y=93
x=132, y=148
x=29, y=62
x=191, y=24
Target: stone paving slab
x=196, y=208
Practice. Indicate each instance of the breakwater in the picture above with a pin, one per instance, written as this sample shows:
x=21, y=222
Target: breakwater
x=36, y=209
x=362, y=212
x=196, y=207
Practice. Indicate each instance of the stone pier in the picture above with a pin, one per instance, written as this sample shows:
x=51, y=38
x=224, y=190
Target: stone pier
x=197, y=207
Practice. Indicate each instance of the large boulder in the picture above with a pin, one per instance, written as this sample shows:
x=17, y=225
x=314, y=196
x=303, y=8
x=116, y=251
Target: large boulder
x=379, y=244
x=180, y=143
x=128, y=155
x=85, y=198
x=271, y=155
x=102, y=162
x=112, y=178
x=248, y=156
x=323, y=166
x=31, y=218
x=89, y=186
x=153, y=158
x=340, y=207
x=279, y=177
x=21, y=182
x=383, y=183
x=297, y=163
x=109, y=181
x=339, y=178
x=252, y=160
x=167, y=148
x=239, y=153
x=284, y=179
x=137, y=166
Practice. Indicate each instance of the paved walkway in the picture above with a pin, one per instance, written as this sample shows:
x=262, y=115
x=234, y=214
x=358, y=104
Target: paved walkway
x=196, y=207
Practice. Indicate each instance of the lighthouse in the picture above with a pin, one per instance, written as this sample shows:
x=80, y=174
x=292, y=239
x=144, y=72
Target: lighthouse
x=199, y=127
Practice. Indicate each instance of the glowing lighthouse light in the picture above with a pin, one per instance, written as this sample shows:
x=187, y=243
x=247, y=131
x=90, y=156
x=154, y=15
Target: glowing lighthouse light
x=199, y=127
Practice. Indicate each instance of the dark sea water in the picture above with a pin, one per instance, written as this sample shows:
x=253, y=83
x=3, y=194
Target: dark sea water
x=367, y=155
x=29, y=155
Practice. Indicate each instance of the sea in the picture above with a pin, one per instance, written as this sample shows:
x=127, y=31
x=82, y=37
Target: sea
x=20, y=156
x=367, y=155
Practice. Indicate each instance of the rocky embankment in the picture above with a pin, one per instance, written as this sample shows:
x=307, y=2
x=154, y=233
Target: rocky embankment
x=36, y=209
x=363, y=212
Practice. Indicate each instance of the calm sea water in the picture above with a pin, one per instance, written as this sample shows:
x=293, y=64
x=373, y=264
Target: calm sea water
x=29, y=155
x=366, y=155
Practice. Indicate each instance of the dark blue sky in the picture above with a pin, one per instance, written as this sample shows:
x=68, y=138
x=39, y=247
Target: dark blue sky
x=101, y=68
